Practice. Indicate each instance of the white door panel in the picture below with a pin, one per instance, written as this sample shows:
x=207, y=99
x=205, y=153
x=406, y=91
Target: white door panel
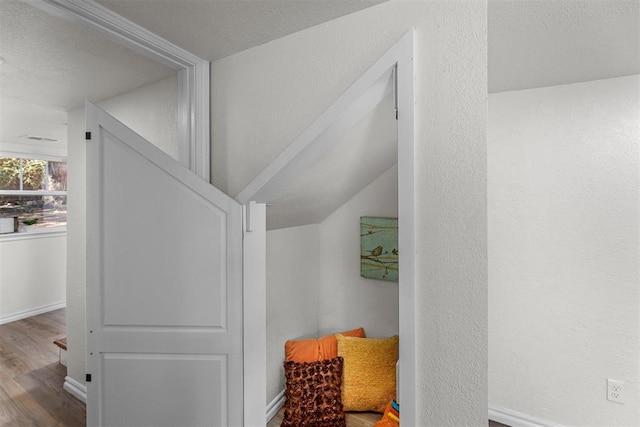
x=164, y=288
x=169, y=376
x=170, y=253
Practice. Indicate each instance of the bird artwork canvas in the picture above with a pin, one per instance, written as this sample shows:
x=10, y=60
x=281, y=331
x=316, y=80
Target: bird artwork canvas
x=379, y=248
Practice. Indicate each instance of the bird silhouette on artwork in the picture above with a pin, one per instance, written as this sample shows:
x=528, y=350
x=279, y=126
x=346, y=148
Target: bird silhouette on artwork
x=376, y=252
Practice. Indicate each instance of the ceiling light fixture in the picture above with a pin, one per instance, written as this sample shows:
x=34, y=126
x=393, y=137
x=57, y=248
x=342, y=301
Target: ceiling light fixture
x=37, y=138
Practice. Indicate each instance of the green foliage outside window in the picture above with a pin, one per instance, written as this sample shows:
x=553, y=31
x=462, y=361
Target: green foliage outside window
x=33, y=173
x=9, y=173
x=20, y=177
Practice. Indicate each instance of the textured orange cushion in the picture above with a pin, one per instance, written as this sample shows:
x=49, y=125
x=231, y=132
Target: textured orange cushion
x=369, y=373
x=312, y=350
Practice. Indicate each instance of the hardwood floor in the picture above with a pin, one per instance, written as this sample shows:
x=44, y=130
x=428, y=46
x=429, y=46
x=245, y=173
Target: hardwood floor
x=367, y=419
x=31, y=378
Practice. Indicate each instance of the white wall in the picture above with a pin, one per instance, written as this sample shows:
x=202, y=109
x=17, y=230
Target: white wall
x=564, y=302
x=32, y=270
x=264, y=97
x=293, y=279
x=32, y=275
x=47, y=149
x=151, y=112
x=347, y=300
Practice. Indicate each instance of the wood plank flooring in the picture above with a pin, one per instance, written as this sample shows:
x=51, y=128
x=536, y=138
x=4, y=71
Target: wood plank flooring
x=31, y=378
x=366, y=419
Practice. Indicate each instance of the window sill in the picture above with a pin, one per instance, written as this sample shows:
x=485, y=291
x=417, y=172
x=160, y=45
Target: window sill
x=34, y=234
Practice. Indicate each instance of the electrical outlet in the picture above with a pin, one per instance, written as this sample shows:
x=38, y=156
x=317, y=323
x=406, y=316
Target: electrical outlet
x=615, y=391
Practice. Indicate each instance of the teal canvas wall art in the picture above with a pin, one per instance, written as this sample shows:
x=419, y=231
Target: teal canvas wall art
x=379, y=248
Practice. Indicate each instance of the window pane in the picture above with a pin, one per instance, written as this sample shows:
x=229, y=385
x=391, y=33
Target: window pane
x=33, y=174
x=57, y=176
x=9, y=173
x=35, y=211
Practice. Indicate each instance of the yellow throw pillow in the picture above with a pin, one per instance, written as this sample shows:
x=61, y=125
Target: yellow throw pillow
x=369, y=372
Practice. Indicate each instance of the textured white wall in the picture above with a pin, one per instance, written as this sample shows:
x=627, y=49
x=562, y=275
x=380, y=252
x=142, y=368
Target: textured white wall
x=151, y=112
x=32, y=274
x=293, y=278
x=564, y=303
x=264, y=97
x=347, y=300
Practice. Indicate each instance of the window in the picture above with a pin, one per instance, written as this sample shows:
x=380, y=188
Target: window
x=34, y=190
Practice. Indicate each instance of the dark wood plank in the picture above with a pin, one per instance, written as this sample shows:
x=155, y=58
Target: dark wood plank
x=62, y=343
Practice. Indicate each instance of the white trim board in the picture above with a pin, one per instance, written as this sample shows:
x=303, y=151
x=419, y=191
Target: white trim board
x=518, y=419
x=32, y=312
x=364, y=95
x=79, y=391
x=193, y=72
x=274, y=406
x=254, y=266
x=406, y=233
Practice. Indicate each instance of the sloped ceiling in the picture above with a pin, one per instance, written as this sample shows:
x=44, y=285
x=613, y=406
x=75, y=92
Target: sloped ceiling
x=364, y=153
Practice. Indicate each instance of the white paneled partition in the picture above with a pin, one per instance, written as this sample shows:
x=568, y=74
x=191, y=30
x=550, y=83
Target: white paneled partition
x=164, y=288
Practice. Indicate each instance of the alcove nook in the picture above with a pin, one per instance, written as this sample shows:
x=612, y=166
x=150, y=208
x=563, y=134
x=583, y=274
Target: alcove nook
x=308, y=203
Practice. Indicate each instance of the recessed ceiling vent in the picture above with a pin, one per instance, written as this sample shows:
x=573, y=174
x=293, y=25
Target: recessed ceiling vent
x=37, y=138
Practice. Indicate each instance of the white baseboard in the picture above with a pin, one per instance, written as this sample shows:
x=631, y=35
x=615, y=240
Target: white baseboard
x=518, y=419
x=31, y=312
x=75, y=388
x=275, y=405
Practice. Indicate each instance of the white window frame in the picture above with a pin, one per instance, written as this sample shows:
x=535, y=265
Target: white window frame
x=43, y=232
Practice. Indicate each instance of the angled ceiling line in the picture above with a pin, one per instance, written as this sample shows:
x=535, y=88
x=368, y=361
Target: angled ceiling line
x=193, y=72
x=326, y=131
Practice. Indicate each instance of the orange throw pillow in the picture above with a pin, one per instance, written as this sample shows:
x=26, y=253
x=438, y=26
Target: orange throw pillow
x=313, y=350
